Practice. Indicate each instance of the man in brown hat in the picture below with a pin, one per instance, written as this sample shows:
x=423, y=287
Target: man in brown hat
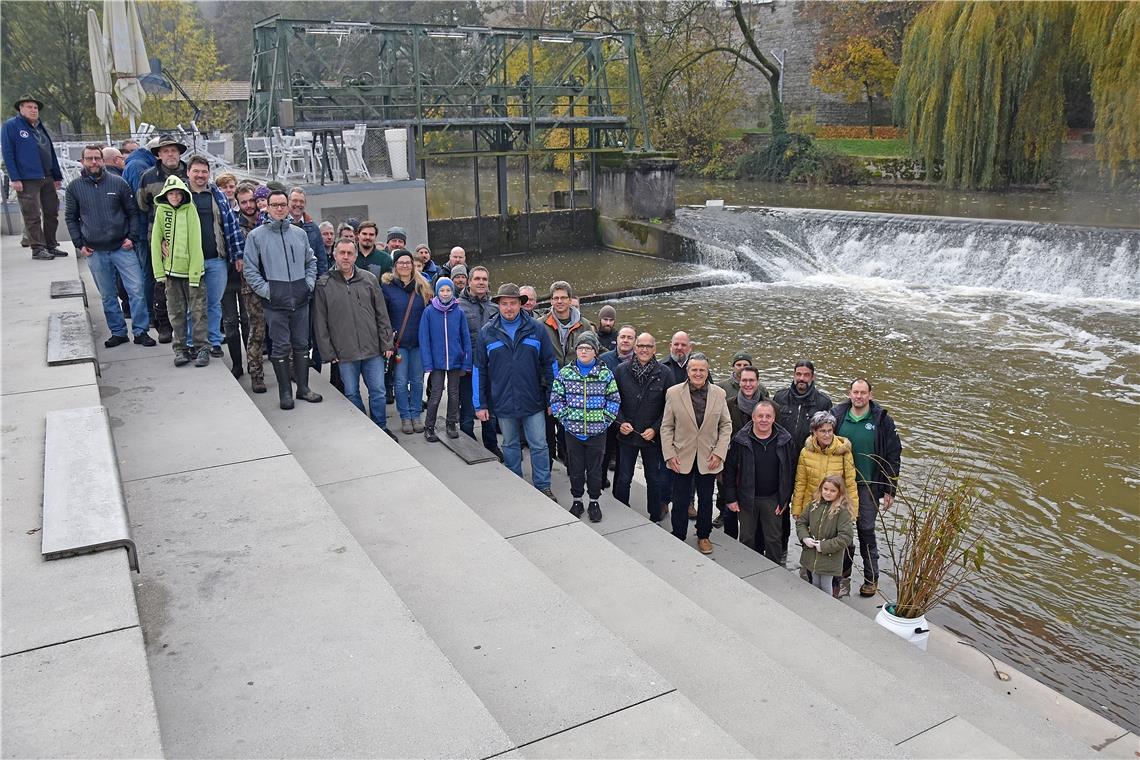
x=513, y=368
x=169, y=153
x=36, y=177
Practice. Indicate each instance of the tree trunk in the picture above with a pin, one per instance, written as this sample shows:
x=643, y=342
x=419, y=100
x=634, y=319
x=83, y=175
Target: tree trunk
x=870, y=115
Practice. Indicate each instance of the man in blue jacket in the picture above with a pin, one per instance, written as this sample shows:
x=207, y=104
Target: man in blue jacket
x=36, y=177
x=514, y=364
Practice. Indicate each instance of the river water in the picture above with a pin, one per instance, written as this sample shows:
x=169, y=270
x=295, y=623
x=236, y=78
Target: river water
x=1007, y=351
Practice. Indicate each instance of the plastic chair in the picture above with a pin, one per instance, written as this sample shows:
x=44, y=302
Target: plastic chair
x=257, y=149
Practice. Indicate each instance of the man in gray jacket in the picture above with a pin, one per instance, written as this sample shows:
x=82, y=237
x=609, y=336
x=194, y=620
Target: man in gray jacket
x=352, y=329
x=281, y=269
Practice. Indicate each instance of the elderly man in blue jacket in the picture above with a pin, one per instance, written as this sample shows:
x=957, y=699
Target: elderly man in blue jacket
x=34, y=171
x=514, y=365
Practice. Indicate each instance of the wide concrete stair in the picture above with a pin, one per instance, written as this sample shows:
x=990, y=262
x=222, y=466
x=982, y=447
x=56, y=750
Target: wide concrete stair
x=308, y=587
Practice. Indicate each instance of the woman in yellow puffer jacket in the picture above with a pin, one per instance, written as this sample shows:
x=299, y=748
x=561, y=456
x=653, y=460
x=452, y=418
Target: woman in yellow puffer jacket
x=824, y=453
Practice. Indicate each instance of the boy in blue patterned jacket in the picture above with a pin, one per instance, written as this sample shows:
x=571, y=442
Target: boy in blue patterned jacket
x=584, y=398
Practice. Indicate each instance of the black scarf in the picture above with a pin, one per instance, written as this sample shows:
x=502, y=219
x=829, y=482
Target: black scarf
x=641, y=372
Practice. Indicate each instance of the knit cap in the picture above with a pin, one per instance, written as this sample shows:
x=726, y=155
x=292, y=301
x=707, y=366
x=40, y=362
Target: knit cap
x=607, y=312
x=459, y=270
x=589, y=339
x=444, y=281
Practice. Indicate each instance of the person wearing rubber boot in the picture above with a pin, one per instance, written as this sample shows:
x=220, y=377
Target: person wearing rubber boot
x=247, y=217
x=877, y=449
x=281, y=268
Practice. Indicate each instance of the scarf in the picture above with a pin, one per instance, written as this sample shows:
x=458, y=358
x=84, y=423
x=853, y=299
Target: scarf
x=746, y=405
x=798, y=397
x=641, y=372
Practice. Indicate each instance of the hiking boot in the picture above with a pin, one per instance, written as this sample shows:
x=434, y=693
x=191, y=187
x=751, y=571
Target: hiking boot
x=116, y=340
x=58, y=253
x=284, y=387
x=869, y=588
x=417, y=426
x=42, y=254
x=165, y=335
x=704, y=546
x=181, y=358
x=429, y=434
x=144, y=339
x=216, y=352
x=577, y=508
x=257, y=382
x=595, y=511
x=452, y=430
x=550, y=495
x=203, y=357
x=406, y=427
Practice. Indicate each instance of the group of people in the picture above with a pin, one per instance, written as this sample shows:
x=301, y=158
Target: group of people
x=210, y=261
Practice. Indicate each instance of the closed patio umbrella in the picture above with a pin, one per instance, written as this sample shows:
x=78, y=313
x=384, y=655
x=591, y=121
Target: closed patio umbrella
x=128, y=54
x=100, y=72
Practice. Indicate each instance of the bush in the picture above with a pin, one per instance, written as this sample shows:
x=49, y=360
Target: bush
x=796, y=158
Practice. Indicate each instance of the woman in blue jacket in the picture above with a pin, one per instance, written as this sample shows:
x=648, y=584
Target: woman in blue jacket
x=445, y=347
x=407, y=293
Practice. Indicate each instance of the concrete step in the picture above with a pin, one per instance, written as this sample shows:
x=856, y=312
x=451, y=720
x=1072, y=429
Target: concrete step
x=902, y=708
x=269, y=631
x=725, y=671
x=73, y=665
x=556, y=679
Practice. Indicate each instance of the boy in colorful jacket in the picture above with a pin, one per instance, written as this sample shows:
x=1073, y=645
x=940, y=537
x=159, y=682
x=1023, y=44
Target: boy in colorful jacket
x=176, y=254
x=584, y=398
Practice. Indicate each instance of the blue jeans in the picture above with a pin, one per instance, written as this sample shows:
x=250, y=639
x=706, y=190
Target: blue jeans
x=534, y=428
x=216, y=276
x=410, y=384
x=373, y=371
x=103, y=265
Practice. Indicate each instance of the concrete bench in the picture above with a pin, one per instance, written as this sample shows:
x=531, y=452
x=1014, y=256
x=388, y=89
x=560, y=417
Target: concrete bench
x=69, y=289
x=84, y=507
x=70, y=339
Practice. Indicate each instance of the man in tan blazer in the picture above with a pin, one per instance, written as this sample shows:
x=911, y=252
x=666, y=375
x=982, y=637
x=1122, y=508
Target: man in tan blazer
x=695, y=433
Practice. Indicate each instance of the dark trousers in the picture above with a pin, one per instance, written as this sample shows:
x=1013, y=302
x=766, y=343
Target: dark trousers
x=555, y=439
x=39, y=206
x=612, y=451
x=287, y=329
x=623, y=476
x=683, y=485
x=868, y=543
x=586, y=465
x=467, y=415
x=727, y=516
x=235, y=320
x=769, y=526
x=437, y=377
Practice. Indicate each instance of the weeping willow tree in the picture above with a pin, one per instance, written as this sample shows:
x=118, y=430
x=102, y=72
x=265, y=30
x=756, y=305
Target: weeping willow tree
x=980, y=89
x=1107, y=36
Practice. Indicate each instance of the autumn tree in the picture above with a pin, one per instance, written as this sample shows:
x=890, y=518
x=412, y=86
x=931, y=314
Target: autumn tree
x=857, y=70
x=44, y=47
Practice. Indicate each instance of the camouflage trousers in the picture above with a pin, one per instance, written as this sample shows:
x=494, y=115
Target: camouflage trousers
x=253, y=350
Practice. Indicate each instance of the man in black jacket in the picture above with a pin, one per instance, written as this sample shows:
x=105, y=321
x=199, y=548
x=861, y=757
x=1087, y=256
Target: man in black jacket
x=642, y=383
x=759, y=477
x=877, y=449
x=102, y=219
x=796, y=404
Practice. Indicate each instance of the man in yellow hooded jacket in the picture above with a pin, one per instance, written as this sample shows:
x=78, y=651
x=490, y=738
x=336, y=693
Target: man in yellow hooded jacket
x=176, y=253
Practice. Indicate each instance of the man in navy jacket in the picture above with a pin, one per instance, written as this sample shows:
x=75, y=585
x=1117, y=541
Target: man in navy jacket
x=36, y=177
x=514, y=365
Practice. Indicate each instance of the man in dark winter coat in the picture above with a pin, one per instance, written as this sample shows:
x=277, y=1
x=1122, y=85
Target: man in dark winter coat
x=33, y=168
x=642, y=382
x=759, y=477
x=796, y=404
x=877, y=449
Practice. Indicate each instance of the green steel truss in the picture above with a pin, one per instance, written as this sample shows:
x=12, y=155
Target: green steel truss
x=466, y=91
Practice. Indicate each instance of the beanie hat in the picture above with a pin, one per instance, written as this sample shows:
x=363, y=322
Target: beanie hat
x=397, y=233
x=261, y=191
x=444, y=281
x=590, y=340
x=400, y=253
x=607, y=312
x=742, y=356
x=459, y=270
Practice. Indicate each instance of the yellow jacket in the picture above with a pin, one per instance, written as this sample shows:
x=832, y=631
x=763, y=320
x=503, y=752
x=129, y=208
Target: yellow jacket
x=816, y=464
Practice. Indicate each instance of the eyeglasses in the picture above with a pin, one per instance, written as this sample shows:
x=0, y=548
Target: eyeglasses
x=278, y=205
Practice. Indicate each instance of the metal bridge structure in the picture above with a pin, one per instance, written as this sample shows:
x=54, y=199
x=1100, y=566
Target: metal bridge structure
x=463, y=91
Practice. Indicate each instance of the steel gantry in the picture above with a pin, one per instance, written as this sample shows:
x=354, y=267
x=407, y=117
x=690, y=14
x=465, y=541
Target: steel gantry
x=465, y=91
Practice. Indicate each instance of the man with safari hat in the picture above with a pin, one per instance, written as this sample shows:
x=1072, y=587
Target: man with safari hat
x=36, y=177
x=514, y=366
